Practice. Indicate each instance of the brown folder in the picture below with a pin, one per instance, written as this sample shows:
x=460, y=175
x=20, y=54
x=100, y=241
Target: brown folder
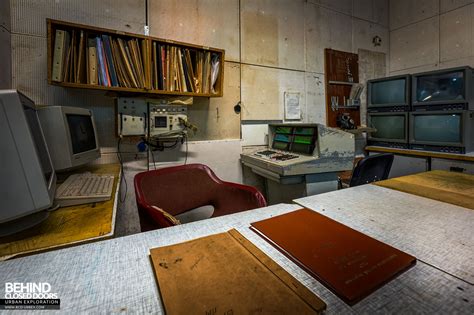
x=226, y=274
x=347, y=262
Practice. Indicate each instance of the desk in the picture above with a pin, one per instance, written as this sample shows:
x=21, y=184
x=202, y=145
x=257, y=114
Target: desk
x=70, y=225
x=451, y=187
x=428, y=155
x=116, y=275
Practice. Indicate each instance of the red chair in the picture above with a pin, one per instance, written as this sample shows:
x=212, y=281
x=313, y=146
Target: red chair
x=182, y=188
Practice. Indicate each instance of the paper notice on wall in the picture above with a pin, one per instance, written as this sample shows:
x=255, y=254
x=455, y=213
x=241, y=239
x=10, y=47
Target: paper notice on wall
x=292, y=105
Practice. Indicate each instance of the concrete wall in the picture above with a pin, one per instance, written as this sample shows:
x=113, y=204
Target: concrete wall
x=271, y=47
x=430, y=34
x=5, y=45
x=283, y=50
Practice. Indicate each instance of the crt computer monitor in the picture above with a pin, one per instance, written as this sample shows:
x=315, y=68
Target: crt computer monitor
x=392, y=129
x=27, y=173
x=450, y=89
x=71, y=136
x=389, y=94
x=442, y=131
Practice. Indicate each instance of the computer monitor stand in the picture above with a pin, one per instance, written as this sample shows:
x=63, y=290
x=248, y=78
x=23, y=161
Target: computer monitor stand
x=23, y=223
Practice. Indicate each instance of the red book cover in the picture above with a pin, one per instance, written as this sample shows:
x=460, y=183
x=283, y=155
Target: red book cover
x=347, y=262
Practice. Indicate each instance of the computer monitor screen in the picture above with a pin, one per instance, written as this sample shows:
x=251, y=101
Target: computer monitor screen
x=295, y=139
x=442, y=128
x=447, y=86
x=389, y=92
x=71, y=136
x=389, y=126
x=82, y=133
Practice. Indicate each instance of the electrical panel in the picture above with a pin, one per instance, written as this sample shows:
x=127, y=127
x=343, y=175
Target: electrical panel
x=167, y=120
x=131, y=117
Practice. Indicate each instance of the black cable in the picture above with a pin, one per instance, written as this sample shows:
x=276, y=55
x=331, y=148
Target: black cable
x=119, y=156
x=153, y=158
x=186, y=143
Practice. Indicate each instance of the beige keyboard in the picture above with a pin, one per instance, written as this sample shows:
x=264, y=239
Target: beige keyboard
x=84, y=188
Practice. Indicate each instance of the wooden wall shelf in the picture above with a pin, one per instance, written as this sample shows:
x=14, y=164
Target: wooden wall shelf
x=130, y=63
x=342, y=72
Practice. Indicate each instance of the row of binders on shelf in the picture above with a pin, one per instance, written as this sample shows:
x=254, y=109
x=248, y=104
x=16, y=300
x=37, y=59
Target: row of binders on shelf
x=100, y=59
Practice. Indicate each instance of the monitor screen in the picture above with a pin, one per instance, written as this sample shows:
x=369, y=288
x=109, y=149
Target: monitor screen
x=389, y=126
x=388, y=92
x=82, y=133
x=295, y=139
x=437, y=128
x=40, y=144
x=446, y=86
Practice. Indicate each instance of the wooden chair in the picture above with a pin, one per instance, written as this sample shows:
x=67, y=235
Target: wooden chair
x=178, y=189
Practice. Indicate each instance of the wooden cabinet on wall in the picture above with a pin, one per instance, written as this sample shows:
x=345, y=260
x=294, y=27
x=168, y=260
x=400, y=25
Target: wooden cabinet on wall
x=81, y=56
x=342, y=72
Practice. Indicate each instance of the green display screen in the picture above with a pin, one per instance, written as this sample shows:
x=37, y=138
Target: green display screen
x=304, y=131
x=295, y=139
x=283, y=138
x=286, y=130
x=302, y=139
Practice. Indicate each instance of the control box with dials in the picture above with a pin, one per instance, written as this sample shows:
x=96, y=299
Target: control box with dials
x=166, y=120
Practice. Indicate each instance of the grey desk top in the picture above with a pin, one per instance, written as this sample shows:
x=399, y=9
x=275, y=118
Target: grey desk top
x=115, y=275
x=437, y=233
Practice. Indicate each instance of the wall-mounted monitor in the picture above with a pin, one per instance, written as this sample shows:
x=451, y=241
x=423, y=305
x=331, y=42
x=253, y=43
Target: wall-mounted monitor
x=449, y=89
x=27, y=173
x=389, y=94
x=71, y=136
x=392, y=129
x=442, y=131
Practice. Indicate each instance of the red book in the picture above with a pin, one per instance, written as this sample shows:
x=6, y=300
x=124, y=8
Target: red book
x=347, y=262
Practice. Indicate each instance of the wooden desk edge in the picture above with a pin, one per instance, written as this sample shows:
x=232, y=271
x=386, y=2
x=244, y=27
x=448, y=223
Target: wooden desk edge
x=409, y=152
x=79, y=242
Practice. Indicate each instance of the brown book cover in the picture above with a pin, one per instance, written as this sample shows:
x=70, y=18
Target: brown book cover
x=226, y=274
x=349, y=263
x=81, y=65
x=92, y=62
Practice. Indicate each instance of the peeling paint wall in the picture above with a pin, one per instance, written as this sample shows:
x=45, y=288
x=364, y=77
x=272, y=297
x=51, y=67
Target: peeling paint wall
x=430, y=34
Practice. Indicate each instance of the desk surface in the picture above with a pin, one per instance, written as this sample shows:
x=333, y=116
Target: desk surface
x=436, y=233
x=70, y=225
x=451, y=187
x=116, y=275
x=449, y=156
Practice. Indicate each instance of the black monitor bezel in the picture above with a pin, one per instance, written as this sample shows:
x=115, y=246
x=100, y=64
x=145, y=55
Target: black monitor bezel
x=407, y=78
x=370, y=138
x=462, y=143
x=467, y=72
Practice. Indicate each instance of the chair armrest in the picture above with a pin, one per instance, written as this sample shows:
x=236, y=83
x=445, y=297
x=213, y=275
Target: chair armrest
x=252, y=190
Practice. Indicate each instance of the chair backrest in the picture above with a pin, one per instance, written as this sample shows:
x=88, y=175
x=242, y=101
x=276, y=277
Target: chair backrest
x=182, y=188
x=371, y=169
